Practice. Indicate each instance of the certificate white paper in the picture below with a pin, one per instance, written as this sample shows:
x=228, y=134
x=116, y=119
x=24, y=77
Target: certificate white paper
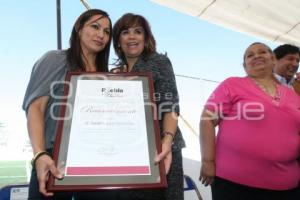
x=108, y=132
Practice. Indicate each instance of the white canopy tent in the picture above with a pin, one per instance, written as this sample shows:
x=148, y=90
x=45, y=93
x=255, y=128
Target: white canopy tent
x=274, y=20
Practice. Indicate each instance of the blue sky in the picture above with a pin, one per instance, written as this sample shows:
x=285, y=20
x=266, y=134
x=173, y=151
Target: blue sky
x=195, y=47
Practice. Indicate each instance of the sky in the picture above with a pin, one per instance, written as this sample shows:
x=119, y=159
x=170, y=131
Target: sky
x=195, y=47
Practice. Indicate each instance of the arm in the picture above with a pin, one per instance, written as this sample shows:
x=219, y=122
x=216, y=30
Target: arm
x=207, y=144
x=168, y=107
x=170, y=121
x=35, y=124
x=218, y=104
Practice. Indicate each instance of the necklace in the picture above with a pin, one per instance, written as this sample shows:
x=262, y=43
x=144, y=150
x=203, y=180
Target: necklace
x=268, y=90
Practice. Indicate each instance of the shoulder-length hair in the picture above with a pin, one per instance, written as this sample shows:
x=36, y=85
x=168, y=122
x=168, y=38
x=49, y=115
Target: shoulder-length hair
x=127, y=21
x=74, y=53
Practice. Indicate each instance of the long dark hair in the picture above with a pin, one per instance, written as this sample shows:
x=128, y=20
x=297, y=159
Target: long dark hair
x=74, y=53
x=127, y=21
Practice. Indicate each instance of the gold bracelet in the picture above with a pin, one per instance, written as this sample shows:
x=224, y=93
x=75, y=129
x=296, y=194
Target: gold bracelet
x=37, y=155
x=169, y=133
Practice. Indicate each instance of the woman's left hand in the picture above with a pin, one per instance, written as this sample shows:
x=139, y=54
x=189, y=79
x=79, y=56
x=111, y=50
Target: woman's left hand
x=166, y=153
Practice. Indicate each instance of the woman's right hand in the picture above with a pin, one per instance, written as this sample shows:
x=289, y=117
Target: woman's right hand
x=207, y=172
x=44, y=166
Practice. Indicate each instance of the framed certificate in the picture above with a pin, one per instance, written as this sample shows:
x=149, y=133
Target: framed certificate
x=107, y=134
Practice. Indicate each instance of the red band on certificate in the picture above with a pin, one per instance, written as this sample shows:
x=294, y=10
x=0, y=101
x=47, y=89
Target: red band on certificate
x=81, y=171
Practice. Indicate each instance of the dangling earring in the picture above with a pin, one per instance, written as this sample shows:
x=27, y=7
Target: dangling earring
x=119, y=49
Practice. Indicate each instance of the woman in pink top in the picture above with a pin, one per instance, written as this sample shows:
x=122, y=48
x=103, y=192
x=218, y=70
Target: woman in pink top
x=254, y=155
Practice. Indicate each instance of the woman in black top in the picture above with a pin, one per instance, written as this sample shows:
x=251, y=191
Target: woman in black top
x=136, y=50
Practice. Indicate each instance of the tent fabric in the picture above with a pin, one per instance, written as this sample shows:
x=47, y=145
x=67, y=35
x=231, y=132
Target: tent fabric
x=273, y=20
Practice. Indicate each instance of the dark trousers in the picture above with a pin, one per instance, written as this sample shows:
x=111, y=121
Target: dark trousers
x=226, y=190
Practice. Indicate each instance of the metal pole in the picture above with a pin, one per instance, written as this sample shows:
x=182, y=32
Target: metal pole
x=86, y=5
x=58, y=19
